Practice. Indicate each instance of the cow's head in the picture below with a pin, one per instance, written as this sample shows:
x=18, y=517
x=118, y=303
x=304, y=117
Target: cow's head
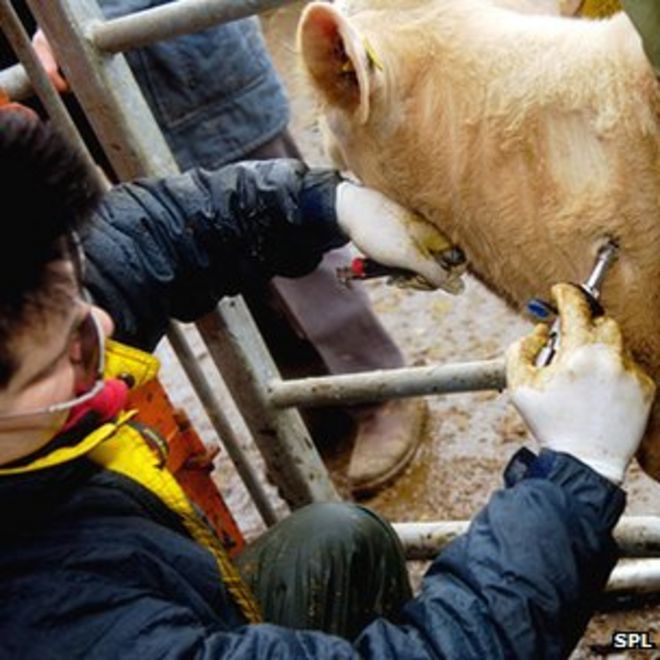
x=344, y=72
x=389, y=93
x=359, y=79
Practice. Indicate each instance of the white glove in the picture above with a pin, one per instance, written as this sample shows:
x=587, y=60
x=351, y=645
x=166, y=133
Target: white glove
x=394, y=236
x=592, y=401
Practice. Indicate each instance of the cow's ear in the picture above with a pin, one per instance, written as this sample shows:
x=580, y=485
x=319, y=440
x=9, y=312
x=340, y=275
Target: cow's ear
x=336, y=57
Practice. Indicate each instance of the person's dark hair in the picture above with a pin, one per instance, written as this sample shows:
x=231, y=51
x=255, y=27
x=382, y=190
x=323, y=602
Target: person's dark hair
x=48, y=190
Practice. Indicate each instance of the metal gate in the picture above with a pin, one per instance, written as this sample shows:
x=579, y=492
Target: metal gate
x=89, y=48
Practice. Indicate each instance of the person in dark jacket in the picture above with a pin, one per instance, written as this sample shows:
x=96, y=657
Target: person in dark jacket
x=101, y=554
x=218, y=99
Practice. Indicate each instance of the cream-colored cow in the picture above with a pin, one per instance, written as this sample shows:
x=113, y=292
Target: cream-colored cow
x=530, y=140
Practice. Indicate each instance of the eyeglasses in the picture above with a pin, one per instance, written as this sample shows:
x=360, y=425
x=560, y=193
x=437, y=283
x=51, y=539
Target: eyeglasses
x=87, y=352
x=76, y=254
x=89, y=357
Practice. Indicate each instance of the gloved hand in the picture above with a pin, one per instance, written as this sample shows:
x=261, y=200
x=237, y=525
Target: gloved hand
x=394, y=236
x=592, y=401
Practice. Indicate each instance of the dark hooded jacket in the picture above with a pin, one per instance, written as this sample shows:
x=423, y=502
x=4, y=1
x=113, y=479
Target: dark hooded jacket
x=92, y=565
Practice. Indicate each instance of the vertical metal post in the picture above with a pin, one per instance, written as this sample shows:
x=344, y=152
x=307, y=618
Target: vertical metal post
x=135, y=146
x=283, y=440
x=221, y=424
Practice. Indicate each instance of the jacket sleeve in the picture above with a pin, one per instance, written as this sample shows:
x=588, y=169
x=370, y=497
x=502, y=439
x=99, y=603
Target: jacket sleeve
x=171, y=248
x=524, y=580
x=521, y=583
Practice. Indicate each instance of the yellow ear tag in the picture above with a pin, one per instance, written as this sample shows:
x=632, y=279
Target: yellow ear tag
x=347, y=66
x=371, y=54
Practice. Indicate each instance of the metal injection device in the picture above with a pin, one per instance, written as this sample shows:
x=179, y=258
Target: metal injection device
x=452, y=260
x=591, y=287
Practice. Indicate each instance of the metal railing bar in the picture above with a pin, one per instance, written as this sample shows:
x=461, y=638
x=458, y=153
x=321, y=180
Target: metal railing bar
x=221, y=424
x=240, y=353
x=172, y=20
x=640, y=576
x=386, y=384
x=637, y=536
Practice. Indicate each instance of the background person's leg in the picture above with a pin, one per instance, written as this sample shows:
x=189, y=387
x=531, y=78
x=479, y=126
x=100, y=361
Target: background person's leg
x=340, y=327
x=333, y=567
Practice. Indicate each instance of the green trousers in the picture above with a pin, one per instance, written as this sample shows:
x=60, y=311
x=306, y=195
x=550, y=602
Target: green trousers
x=333, y=567
x=645, y=14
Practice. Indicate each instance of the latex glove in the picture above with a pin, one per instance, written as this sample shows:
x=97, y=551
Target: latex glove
x=393, y=236
x=47, y=58
x=592, y=401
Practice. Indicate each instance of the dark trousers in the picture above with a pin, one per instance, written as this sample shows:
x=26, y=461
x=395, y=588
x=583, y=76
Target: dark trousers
x=333, y=567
